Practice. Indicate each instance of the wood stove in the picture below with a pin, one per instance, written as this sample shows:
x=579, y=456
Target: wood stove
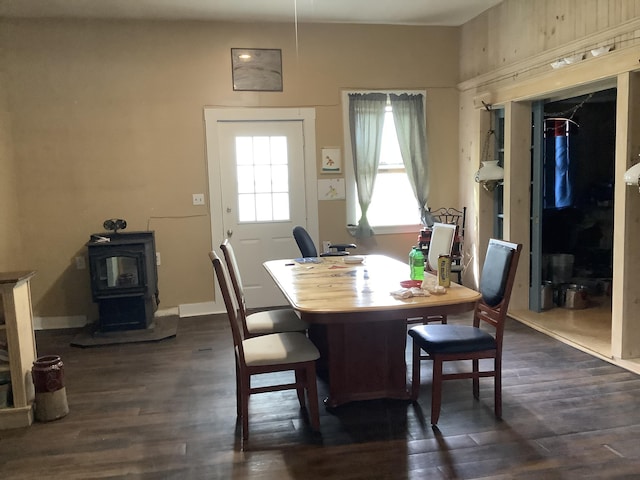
x=124, y=279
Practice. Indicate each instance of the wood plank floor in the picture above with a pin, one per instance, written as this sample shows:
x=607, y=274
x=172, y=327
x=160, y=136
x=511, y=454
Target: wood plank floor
x=166, y=410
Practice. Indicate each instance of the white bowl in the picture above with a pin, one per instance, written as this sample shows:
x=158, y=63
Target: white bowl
x=574, y=58
x=600, y=51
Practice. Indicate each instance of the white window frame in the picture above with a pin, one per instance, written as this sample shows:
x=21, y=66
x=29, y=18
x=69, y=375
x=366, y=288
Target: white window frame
x=351, y=197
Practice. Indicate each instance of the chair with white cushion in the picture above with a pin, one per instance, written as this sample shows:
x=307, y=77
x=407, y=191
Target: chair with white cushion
x=264, y=322
x=442, y=235
x=276, y=352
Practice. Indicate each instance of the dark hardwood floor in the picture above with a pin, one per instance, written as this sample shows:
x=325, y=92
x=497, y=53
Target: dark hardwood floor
x=166, y=410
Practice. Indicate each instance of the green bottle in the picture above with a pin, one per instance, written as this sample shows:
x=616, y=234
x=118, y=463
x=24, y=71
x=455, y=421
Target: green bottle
x=416, y=262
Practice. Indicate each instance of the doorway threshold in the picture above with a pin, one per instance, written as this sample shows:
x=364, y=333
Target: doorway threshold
x=588, y=330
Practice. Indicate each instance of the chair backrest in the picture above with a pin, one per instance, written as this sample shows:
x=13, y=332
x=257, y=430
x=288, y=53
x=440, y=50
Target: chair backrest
x=223, y=280
x=304, y=241
x=442, y=235
x=236, y=281
x=451, y=215
x=496, y=283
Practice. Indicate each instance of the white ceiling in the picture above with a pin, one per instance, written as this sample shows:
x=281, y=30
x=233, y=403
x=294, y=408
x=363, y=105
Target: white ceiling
x=398, y=12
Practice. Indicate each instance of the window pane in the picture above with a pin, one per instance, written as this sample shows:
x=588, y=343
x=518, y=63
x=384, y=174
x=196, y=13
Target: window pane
x=281, y=206
x=390, y=149
x=278, y=150
x=246, y=208
x=280, y=178
x=263, y=178
x=264, y=209
x=245, y=179
x=393, y=201
x=244, y=151
x=261, y=150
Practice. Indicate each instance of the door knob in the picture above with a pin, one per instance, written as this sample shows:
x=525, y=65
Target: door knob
x=229, y=233
x=228, y=209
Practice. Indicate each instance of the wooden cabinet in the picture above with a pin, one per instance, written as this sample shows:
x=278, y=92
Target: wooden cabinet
x=16, y=329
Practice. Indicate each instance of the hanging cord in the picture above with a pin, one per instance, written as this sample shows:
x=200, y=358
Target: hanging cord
x=485, y=146
x=295, y=20
x=571, y=111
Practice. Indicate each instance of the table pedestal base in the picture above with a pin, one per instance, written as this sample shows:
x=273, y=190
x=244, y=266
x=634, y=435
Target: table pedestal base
x=363, y=360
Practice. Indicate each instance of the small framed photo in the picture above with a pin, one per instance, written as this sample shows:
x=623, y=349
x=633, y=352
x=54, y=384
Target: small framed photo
x=256, y=69
x=331, y=160
x=331, y=189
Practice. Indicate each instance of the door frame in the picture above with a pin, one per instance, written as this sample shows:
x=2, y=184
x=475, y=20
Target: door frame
x=215, y=115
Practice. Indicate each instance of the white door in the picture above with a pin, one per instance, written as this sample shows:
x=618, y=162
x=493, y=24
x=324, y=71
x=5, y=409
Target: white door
x=262, y=188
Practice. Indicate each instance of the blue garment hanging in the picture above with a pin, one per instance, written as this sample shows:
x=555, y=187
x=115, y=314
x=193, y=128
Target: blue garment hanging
x=562, y=176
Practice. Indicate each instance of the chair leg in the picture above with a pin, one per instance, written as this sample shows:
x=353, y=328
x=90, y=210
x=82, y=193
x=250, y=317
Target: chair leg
x=498, y=387
x=301, y=381
x=312, y=393
x=476, y=380
x=245, y=386
x=436, y=390
x=238, y=391
x=415, y=372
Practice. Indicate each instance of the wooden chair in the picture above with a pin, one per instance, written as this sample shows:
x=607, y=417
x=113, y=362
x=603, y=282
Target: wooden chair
x=459, y=218
x=444, y=343
x=277, y=352
x=259, y=323
x=442, y=235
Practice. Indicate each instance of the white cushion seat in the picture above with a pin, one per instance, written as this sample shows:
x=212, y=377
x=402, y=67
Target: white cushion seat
x=279, y=320
x=279, y=348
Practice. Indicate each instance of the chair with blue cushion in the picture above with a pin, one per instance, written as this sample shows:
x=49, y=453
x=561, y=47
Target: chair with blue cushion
x=308, y=248
x=444, y=343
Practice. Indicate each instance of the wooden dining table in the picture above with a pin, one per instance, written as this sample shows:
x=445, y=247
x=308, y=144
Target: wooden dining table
x=357, y=324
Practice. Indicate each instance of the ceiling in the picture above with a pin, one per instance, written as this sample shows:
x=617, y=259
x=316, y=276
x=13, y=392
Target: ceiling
x=397, y=12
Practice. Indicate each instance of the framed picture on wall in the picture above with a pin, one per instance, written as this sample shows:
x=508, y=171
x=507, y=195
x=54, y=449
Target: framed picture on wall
x=256, y=69
x=331, y=160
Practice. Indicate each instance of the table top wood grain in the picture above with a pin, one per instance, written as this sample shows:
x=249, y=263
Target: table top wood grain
x=335, y=287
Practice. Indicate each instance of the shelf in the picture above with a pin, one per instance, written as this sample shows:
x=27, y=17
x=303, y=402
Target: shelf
x=5, y=367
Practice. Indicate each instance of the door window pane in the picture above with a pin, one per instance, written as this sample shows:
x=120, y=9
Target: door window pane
x=263, y=179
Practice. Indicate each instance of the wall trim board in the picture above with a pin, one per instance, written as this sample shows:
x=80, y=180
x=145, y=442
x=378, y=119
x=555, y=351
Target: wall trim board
x=531, y=67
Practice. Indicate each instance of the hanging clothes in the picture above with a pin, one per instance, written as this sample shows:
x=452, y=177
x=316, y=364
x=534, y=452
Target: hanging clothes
x=564, y=192
x=560, y=177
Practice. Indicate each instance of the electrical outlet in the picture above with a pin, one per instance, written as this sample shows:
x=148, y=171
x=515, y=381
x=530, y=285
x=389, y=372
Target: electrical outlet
x=158, y=258
x=325, y=246
x=80, y=263
x=198, y=198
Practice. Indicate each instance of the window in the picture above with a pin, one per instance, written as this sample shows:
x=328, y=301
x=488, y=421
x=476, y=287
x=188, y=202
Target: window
x=263, y=179
x=393, y=207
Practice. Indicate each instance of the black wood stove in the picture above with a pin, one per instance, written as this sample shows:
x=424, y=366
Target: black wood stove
x=124, y=279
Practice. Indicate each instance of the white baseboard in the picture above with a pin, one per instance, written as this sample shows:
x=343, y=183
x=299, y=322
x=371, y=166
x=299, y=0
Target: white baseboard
x=195, y=309
x=79, y=321
x=167, y=312
x=53, y=323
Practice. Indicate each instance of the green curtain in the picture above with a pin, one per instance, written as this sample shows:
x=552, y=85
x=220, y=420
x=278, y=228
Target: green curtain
x=366, y=119
x=409, y=118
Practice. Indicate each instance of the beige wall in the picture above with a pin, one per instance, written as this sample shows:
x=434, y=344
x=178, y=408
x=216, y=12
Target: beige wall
x=107, y=122
x=10, y=251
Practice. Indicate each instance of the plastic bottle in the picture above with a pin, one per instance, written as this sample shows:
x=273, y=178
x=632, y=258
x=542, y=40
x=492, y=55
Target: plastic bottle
x=416, y=261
